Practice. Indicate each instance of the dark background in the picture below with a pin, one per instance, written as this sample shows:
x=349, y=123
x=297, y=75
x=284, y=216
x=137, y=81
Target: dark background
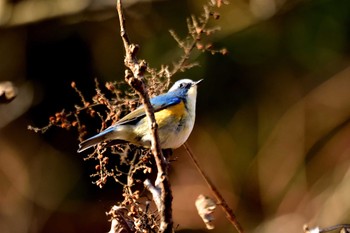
x=272, y=127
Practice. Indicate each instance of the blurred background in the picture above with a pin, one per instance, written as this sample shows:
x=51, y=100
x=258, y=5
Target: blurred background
x=272, y=128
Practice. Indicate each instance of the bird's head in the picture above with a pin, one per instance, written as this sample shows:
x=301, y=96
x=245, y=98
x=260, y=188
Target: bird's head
x=186, y=85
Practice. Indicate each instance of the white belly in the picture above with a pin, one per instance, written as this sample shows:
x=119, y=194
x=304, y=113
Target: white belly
x=172, y=135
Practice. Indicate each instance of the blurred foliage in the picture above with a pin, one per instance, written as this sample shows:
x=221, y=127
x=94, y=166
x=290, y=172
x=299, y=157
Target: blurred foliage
x=272, y=125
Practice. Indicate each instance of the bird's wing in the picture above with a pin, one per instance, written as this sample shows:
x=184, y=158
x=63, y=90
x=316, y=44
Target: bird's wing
x=158, y=103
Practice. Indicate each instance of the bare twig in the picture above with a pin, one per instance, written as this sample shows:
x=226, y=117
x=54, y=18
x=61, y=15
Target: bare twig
x=344, y=228
x=197, y=27
x=228, y=211
x=134, y=77
x=118, y=222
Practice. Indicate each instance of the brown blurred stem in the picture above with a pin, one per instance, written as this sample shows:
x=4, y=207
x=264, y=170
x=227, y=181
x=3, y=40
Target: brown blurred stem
x=228, y=211
x=134, y=77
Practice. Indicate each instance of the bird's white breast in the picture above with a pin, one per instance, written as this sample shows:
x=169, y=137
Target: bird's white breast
x=173, y=130
x=175, y=138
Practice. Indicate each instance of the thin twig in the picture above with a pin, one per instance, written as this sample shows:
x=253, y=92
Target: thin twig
x=135, y=80
x=346, y=228
x=188, y=45
x=228, y=211
x=335, y=227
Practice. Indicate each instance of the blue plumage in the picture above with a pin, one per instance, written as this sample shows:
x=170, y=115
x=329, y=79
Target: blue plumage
x=175, y=128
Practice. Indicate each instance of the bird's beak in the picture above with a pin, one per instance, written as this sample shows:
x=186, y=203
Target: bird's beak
x=196, y=83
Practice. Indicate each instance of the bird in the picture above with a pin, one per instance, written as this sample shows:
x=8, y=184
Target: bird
x=174, y=111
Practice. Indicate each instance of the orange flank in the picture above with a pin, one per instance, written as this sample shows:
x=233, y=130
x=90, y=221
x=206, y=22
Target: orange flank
x=176, y=111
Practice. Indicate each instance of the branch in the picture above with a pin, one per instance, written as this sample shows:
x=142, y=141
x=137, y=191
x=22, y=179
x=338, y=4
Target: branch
x=118, y=221
x=344, y=228
x=228, y=211
x=197, y=28
x=134, y=76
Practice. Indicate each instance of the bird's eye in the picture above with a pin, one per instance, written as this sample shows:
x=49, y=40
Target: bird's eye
x=184, y=85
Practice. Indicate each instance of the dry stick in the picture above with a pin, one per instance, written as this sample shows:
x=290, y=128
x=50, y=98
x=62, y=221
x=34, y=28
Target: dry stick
x=135, y=80
x=228, y=211
x=327, y=229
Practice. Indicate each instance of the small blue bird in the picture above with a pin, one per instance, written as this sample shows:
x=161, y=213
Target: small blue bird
x=174, y=111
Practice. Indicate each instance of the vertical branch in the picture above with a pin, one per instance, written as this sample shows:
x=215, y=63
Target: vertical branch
x=134, y=76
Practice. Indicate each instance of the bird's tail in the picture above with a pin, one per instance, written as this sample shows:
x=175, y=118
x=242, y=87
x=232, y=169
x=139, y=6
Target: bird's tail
x=102, y=136
x=91, y=142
